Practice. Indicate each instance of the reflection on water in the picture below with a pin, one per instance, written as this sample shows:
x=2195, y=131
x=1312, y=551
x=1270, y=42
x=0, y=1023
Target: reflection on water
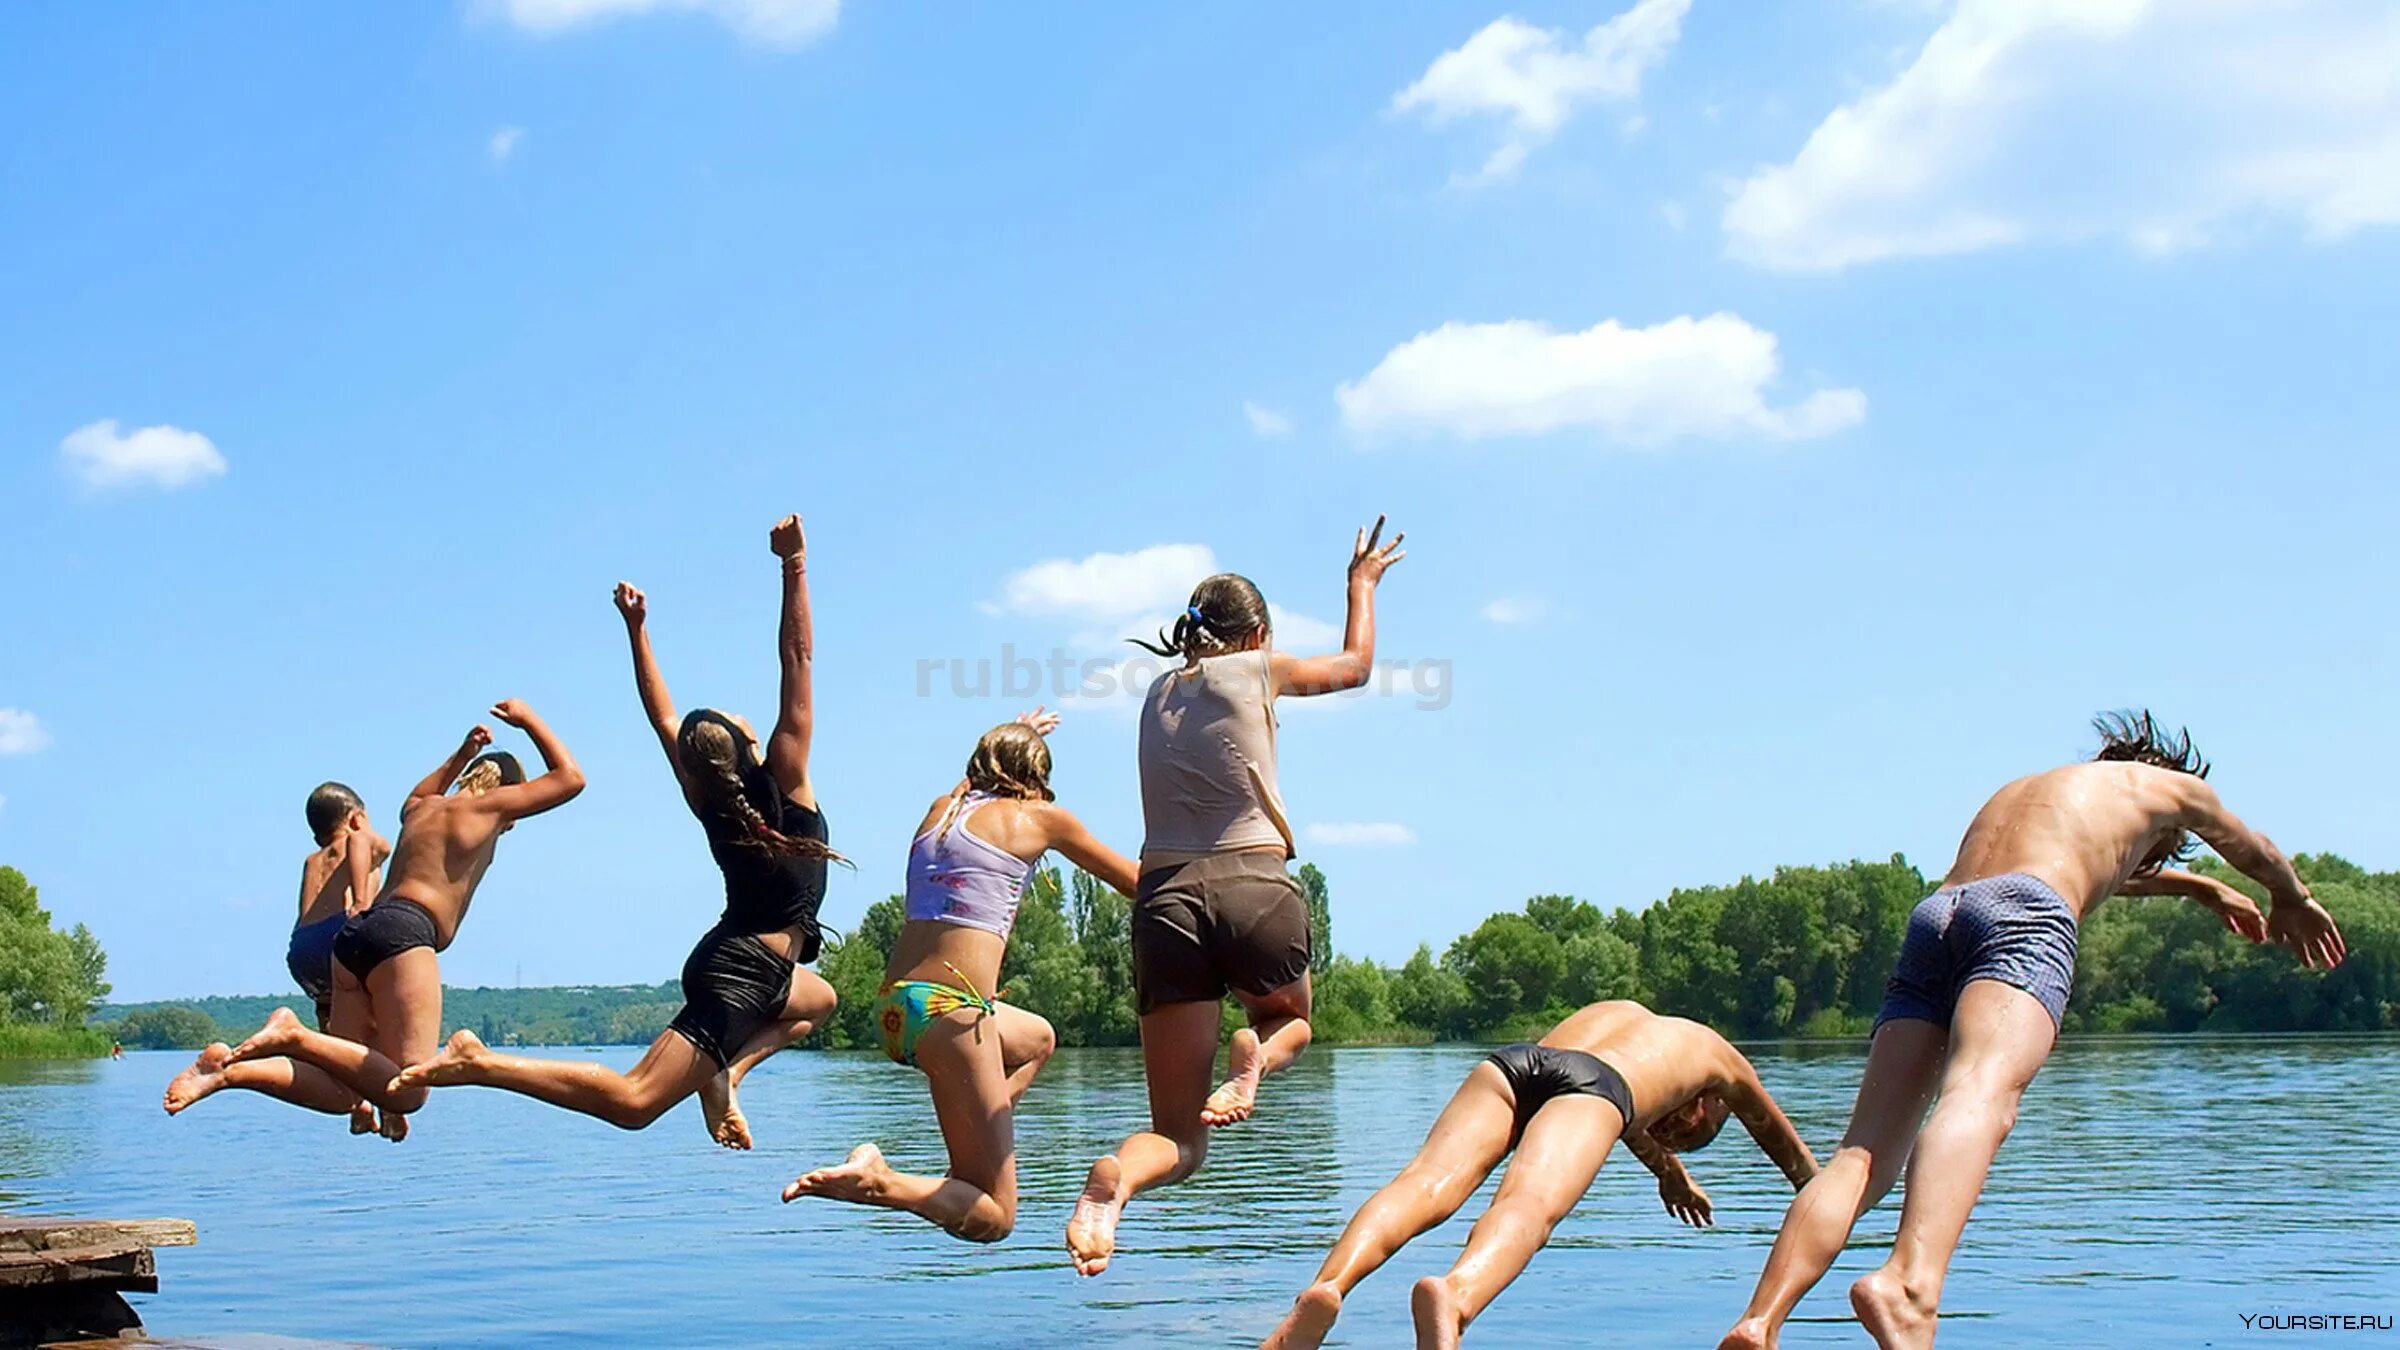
x=2155, y=1189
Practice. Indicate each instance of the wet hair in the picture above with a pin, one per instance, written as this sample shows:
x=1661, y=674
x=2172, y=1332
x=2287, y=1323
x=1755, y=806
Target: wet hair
x=1713, y=1111
x=1012, y=760
x=497, y=769
x=328, y=806
x=713, y=750
x=2137, y=738
x=1224, y=611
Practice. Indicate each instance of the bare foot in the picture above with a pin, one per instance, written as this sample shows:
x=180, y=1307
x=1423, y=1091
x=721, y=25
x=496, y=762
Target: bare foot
x=722, y=1113
x=1435, y=1306
x=205, y=1076
x=859, y=1180
x=457, y=1063
x=1311, y=1317
x=394, y=1126
x=1751, y=1333
x=277, y=1037
x=1890, y=1315
x=362, y=1120
x=1238, y=1096
x=1092, y=1228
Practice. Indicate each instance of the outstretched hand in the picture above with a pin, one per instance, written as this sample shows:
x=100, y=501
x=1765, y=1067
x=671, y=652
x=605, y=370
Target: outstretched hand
x=786, y=538
x=1042, y=720
x=1368, y=562
x=2239, y=912
x=631, y=603
x=2305, y=927
x=512, y=711
x=1686, y=1201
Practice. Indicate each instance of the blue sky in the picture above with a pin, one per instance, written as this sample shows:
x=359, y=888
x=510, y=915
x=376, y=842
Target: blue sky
x=1802, y=417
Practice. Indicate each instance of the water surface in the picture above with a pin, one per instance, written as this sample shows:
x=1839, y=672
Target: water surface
x=2155, y=1189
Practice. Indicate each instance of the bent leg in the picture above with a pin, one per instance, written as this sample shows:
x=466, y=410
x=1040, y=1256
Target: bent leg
x=1277, y=1033
x=2000, y=1036
x=303, y=1085
x=976, y=1199
x=1462, y=1148
x=1561, y=1151
x=805, y=1008
x=669, y=1071
x=352, y=1020
x=1903, y=1066
x=1027, y=1040
x=1179, y=1051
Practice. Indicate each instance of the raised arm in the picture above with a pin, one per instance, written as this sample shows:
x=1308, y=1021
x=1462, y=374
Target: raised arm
x=557, y=786
x=657, y=705
x=438, y=782
x=1354, y=664
x=359, y=861
x=2238, y=911
x=1069, y=836
x=795, y=649
x=2294, y=918
x=1764, y=1119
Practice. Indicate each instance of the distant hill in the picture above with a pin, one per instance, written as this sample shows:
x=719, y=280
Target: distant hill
x=624, y=1014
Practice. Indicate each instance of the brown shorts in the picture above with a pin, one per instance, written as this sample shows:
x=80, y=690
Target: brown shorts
x=1227, y=921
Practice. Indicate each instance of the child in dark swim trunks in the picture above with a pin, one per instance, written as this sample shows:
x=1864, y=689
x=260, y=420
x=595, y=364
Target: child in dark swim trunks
x=1974, y=1004
x=337, y=879
x=1612, y=1071
x=1217, y=913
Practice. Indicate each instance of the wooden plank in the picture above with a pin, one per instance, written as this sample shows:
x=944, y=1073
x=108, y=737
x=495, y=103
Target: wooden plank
x=120, y=1265
x=17, y=1234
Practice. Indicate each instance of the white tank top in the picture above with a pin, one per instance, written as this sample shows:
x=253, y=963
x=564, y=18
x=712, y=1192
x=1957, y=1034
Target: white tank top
x=1208, y=759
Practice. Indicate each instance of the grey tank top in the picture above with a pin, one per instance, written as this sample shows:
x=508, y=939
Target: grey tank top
x=1208, y=759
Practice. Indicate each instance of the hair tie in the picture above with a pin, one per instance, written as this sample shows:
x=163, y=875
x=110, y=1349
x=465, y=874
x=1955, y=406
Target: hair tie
x=1192, y=612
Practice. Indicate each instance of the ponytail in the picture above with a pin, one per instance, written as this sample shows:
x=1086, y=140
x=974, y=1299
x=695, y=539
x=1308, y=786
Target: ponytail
x=709, y=748
x=1224, y=611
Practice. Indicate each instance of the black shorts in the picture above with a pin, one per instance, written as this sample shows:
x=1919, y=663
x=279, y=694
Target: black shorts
x=733, y=984
x=1226, y=921
x=1537, y=1073
x=391, y=926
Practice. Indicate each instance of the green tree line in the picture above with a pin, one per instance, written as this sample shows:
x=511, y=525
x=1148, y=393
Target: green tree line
x=50, y=978
x=1803, y=952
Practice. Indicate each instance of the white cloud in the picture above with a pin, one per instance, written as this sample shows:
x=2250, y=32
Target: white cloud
x=1296, y=632
x=2158, y=122
x=1679, y=379
x=1537, y=77
x=504, y=143
x=786, y=24
x=21, y=732
x=1359, y=833
x=1266, y=421
x=162, y=456
x=1107, y=586
x=1514, y=609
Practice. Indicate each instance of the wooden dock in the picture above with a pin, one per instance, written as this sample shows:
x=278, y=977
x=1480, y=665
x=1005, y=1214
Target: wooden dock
x=63, y=1281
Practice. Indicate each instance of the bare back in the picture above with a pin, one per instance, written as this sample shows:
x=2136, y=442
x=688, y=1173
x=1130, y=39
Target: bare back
x=325, y=881
x=2083, y=829
x=1665, y=1061
x=445, y=845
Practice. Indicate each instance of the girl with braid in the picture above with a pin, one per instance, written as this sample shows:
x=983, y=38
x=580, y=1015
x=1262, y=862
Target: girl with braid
x=1216, y=912
x=974, y=853
x=745, y=992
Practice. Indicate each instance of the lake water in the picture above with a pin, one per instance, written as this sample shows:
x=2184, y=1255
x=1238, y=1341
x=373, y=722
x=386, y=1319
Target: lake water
x=2155, y=1189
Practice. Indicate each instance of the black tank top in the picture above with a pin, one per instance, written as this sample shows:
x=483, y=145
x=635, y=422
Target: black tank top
x=765, y=893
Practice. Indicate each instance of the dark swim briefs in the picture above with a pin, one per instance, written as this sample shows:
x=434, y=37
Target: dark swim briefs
x=733, y=984
x=1537, y=1073
x=1226, y=921
x=384, y=930
x=2011, y=928
x=310, y=957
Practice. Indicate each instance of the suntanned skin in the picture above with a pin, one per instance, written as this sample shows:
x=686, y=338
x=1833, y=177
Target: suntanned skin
x=1681, y=1075
x=674, y=1068
x=1179, y=1040
x=446, y=844
x=976, y=1067
x=2090, y=831
x=341, y=877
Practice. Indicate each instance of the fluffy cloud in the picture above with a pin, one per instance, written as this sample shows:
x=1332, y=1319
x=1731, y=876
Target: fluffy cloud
x=504, y=143
x=1107, y=586
x=1675, y=380
x=21, y=732
x=1266, y=421
x=2159, y=122
x=1513, y=609
x=163, y=457
x=1359, y=833
x=1537, y=77
x=787, y=24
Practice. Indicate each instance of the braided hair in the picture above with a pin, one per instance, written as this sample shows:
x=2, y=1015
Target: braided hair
x=1224, y=611
x=712, y=751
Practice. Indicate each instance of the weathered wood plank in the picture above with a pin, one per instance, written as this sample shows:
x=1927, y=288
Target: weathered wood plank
x=121, y=1266
x=20, y=1234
